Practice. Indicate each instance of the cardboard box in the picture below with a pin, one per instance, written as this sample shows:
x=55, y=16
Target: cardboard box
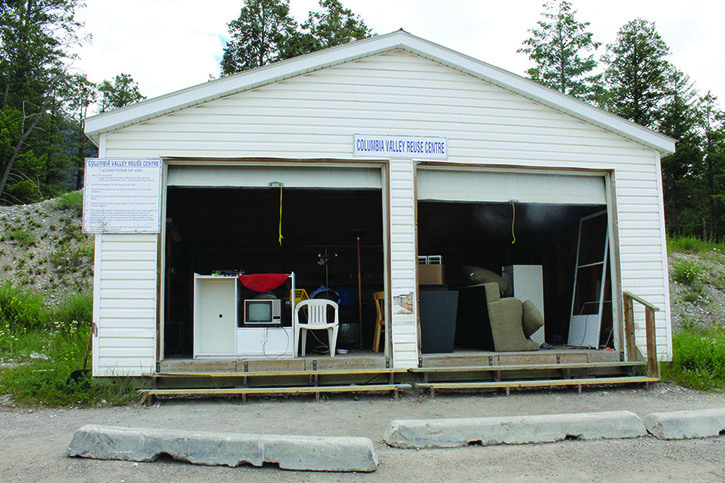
x=431, y=275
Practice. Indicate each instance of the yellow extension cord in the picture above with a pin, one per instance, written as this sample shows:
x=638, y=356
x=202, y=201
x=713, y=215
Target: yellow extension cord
x=280, y=215
x=513, y=221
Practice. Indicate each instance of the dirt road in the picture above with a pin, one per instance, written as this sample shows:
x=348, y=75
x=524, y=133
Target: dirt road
x=34, y=441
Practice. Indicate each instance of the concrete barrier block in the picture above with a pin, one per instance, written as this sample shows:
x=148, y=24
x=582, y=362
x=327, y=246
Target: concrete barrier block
x=229, y=449
x=450, y=433
x=686, y=424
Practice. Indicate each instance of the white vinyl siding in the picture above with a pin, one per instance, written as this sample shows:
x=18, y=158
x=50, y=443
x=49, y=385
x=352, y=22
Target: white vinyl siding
x=126, y=308
x=403, y=262
x=316, y=115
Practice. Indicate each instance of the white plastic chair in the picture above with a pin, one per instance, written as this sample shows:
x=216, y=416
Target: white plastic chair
x=316, y=320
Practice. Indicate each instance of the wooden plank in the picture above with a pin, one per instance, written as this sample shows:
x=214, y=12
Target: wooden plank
x=532, y=367
x=539, y=383
x=641, y=300
x=653, y=367
x=324, y=372
x=271, y=390
x=631, y=346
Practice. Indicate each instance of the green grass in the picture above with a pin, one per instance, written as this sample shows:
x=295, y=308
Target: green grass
x=21, y=311
x=44, y=346
x=694, y=245
x=71, y=201
x=698, y=357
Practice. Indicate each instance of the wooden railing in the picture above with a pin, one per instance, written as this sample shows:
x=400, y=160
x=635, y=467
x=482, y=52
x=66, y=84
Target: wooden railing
x=653, y=367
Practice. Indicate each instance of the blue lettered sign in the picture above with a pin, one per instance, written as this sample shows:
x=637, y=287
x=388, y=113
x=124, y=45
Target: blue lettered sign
x=412, y=147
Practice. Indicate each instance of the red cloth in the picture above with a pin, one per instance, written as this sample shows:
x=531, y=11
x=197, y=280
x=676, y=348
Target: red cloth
x=263, y=282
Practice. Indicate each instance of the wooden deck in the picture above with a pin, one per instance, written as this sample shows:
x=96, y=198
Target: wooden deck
x=361, y=371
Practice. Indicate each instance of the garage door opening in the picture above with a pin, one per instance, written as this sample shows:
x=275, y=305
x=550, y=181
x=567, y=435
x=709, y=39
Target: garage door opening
x=525, y=228
x=212, y=230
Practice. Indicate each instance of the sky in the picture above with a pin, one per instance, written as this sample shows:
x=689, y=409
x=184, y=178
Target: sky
x=167, y=45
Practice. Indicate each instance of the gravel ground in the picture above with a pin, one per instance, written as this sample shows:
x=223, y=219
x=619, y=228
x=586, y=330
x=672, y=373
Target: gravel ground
x=706, y=308
x=34, y=441
x=50, y=264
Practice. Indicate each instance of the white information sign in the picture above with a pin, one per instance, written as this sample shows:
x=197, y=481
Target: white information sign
x=418, y=147
x=122, y=196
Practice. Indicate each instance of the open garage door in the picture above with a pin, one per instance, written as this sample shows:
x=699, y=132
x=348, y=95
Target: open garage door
x=522, y=187
x=225, y=219
x=522, y=225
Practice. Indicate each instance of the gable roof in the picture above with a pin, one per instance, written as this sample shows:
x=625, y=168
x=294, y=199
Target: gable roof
x=398, y=40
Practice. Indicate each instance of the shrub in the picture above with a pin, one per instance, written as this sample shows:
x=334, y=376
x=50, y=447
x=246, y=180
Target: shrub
x=698, y=358
x=71, y=201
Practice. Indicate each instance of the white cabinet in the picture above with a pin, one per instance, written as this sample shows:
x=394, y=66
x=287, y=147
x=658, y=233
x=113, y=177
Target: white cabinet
x=216, y=331
x=215, y=315
x=528, y=284
x=270, y=342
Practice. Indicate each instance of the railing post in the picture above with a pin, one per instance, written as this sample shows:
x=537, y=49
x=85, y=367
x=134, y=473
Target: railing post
x=629, y=329
x=653, y=366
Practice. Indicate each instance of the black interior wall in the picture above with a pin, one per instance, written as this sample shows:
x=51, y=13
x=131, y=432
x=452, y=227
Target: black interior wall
x=224, y=229
x=480, y=234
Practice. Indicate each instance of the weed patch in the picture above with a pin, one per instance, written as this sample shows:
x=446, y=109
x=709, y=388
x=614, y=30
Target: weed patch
x=45, y=354
x=69, y=259
x=23, y=237
x=698, y=359
x=21, y=311
x=688, y=272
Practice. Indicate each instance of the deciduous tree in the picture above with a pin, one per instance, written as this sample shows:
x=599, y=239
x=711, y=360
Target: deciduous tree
x=334, y=25
x=119, y=93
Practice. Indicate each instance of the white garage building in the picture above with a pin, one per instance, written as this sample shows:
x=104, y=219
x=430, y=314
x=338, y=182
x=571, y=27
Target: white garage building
x=427, y=152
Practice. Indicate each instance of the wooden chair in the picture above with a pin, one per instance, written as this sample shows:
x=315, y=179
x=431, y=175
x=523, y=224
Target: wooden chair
x=380, y=319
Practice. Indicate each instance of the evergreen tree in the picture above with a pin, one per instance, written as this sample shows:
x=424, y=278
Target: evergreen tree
x=259, y=36
x=681, y=177
x=79, y=96
x=636, y=73
x=712, y=125
x=563, y=51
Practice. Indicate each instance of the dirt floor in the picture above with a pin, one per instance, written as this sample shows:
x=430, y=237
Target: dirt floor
x=34, y=441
